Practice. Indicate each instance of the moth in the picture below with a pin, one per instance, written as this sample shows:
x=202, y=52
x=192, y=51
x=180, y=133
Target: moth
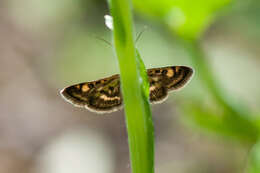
x=104, y=95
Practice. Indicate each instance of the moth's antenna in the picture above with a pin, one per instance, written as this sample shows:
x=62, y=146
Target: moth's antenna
x=101, y=39
x=140, y=33
x=104, y=40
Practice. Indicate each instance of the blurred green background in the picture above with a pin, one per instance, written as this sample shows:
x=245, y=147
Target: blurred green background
x=210, y=126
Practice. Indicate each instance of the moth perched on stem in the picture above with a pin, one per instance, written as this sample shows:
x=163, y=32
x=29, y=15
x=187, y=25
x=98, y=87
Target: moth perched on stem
x=104, y=95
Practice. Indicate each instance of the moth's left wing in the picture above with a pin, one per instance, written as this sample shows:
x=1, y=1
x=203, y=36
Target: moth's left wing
x=77, y=94
x=101, y=96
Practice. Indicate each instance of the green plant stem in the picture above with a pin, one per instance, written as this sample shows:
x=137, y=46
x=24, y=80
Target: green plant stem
x=133, y=81
x=253, y=164
x=235, y=116
x=207, y=77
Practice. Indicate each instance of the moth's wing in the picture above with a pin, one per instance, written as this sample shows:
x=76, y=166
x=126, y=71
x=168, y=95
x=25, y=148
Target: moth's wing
x=172, y=77
x=101, y=96
x=77, y=94
x=106, y=98
x=182, y=75
x=158, y=93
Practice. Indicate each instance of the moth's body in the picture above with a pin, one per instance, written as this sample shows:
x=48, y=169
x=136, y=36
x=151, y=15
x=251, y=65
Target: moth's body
x=104, y=95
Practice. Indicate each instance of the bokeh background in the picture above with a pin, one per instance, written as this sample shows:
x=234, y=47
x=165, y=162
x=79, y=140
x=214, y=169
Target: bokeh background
x=47, y=45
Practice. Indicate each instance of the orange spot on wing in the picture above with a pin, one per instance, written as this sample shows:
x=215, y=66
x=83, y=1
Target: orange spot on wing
x=85, y=88
x=170, y=72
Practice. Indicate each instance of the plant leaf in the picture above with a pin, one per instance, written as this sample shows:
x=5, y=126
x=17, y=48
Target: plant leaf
x=187, y=18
